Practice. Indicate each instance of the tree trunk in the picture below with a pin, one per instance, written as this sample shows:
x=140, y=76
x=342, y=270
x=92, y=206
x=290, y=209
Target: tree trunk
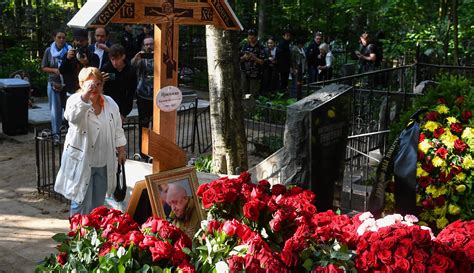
x=229, y=143
x=76, y=5
x=261, y=19
x=39, y=28
x=455, y=32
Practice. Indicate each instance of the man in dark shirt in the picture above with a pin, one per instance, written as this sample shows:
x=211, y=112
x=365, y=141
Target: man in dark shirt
x=77, y=58
x=314, y=56
x=283, y=57
x=251, y=61
x=121, y=80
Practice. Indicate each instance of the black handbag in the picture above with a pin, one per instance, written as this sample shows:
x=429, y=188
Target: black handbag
x=121, y=188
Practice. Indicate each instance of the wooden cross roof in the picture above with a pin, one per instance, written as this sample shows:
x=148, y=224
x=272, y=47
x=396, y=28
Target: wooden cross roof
x=97, y=13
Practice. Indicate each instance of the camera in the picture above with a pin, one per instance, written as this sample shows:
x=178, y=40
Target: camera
x=146, y=55
x=80, y=52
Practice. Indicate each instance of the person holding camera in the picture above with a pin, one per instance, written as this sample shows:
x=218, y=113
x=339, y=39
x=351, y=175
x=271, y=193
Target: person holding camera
x=120, y=79
x=251, y=61
x=77, y=58
x=143, y=64
x=52, y=58
x=95, y=141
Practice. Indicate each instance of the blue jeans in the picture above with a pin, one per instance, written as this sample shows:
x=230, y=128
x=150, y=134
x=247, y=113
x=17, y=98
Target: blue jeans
x=56, y=107
x=95, y=195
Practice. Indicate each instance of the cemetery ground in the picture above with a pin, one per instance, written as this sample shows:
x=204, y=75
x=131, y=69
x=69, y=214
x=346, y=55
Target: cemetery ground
x=27, y=218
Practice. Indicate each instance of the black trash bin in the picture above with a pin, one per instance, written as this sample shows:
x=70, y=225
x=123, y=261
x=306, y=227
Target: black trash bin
x=14, y=95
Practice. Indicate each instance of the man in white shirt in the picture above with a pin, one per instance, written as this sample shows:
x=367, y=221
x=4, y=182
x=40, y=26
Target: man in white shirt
x=101, y=46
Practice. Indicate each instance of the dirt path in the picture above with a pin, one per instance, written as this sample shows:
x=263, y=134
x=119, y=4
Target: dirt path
x=27, y=219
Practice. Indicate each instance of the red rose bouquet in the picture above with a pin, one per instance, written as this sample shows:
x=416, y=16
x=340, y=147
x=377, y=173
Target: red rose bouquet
x=456, y=241
x=107, y=239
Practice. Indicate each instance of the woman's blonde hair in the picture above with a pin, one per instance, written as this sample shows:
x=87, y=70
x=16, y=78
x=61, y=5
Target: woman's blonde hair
x=86, y=72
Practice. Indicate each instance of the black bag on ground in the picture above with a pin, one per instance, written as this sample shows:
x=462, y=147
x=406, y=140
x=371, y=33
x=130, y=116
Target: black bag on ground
x=121, y=188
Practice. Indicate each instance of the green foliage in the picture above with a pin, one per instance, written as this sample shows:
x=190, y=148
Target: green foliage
x=204, y=163
x=449, y=88
x=17, y=58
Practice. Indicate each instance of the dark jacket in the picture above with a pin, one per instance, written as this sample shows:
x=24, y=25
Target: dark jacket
x=283, y=56
x=70, y=69
x=312, y=54
x=122, y=88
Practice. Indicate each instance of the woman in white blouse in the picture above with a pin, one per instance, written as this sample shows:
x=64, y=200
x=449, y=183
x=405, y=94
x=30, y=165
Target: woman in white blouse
x=95, y=141
x=325, y=71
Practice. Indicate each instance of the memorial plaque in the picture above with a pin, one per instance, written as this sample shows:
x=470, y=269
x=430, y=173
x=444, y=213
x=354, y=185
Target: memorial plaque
x=315, y=142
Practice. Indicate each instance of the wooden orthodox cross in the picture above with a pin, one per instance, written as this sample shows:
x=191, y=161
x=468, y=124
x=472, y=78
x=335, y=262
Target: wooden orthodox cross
x=166, y=15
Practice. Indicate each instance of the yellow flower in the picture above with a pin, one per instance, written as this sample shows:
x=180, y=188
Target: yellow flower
x=424, y=146
x=468, y=133
x=461, y=188
x=431, y=125
x=331, y=113
x=448, y=139
x=436, y=192
x=442, y=109
x=453, y=209
x=441, y=222
x=439, y=162
x=461, y=176
x=468, y=162
x=420, y=172
x=440, y=211
x=418, y=198
x=451, y=120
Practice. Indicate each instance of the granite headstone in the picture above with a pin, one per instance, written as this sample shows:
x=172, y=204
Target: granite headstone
x=315, y=142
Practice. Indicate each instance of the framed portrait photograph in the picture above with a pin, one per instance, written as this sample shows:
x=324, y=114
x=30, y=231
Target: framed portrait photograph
x=173, y=197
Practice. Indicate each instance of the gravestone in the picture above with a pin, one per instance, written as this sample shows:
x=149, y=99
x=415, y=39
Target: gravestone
x=315, y=142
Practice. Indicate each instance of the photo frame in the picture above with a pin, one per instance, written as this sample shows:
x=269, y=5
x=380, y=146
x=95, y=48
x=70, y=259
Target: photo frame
x=173, y=197
x=139, y=206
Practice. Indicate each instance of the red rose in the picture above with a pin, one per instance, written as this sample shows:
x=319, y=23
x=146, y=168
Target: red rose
x=440, y=200
x=333, y=269
x=252, y=210
x=62, y=258
x=401, y=251
x=460, y=146
x=421, y=155
x=385, y=255
x=230, y=227
x=208, y=198
x=402, y=265
x=421, y=138
x=244, y=232
x=428, y=167
x=433, y=116
x=418, y=268
x=236, y=263
x=178, y=256
x=442, y=152
x=420, y=257
x=459, y=100
x=438, y=132
x=186, y=267
x=278, y=189
x=134, y=236
x=441, y=101
x=264, y=185
x=201, y=189
x=213, y=225
x=456, y=127
x=441, y=262
x=161, y=250
x=466, y=115
x=425, y=181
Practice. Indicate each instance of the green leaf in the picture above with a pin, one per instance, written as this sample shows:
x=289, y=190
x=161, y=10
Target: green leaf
x=61, y=237
x=308, y=264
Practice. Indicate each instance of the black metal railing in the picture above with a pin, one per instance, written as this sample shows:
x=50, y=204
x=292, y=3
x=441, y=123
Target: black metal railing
x=192, y=134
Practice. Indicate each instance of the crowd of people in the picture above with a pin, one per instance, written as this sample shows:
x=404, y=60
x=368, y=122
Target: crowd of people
x=93, y=87
x=270, y=67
